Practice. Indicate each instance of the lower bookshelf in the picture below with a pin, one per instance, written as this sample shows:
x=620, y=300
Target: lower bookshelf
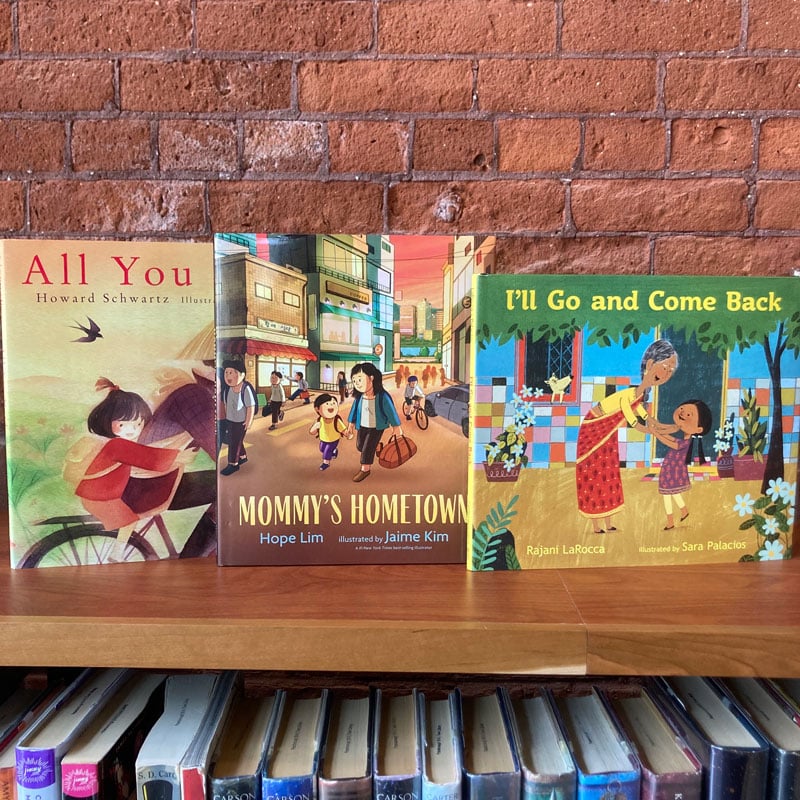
x=733, y=619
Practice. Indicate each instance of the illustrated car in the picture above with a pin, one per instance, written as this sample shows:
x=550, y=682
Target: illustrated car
x=450, y=403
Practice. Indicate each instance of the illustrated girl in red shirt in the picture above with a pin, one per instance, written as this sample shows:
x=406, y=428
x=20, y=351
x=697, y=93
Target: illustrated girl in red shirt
x=126, y=480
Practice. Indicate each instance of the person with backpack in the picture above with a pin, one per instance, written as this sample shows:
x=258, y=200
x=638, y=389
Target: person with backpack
x=238, y=404
x=277, y=397
x=329, y=427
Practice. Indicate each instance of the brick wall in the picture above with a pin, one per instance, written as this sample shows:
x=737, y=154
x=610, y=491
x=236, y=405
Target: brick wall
x=590, y=135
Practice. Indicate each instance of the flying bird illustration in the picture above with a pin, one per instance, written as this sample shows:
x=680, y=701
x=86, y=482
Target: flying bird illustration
x=92, y=332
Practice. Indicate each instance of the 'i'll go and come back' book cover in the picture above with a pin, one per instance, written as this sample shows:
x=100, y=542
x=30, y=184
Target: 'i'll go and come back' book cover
x=109, y=396
x=633, y=420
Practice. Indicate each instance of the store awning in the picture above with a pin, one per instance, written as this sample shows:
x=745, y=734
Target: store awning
x=239, y=345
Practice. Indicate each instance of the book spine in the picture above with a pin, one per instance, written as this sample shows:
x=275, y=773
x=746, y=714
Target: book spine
x=671, y=787
x=240, y=788
x=344, y=789
x=397, y=788
x=737, y=774
x=563, y=789
x=7, y=783
x=299, y=788
x=491, y=786
x=80, y=781
x=36, y=774
x=158, y=783
x=441, y=791
x=193, y=783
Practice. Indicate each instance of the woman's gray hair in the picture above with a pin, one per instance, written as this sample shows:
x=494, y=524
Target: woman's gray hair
x=659, y=350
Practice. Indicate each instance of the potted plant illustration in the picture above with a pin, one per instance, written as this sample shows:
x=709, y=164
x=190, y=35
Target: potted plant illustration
x=505, y=456
x=751, y=440
x=723, y=446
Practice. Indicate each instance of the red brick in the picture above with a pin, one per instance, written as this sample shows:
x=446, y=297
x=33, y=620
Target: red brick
x=534, y=205
x=569, y=85
x=453, y=145
x=773, y=24
x=776, y=205
x=714, y=84
x=133, y=206
x=12, y=206
x=636, y=26
x=406, y=86
x=473, y=26
x=74, y=26
x=6, y=31
x=624, y=144
x=291, y=206
x=205, y=86
x=283, y=146
x=197, y=145
x=318, y=26
x=55, y=85
x=601, y=255
x=726, y=255
x=363, y=146
x=660, y=205
x=538, y=145
x=711, y=144
x=111, y=145
x=31, y=145
x=779, y=145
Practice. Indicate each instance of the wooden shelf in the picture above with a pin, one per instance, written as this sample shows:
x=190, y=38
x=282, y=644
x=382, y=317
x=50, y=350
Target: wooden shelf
x=736, y=619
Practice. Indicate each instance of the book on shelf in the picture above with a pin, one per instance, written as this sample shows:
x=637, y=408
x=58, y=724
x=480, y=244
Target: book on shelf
x=733, y=752
x=778, y=719
x=100, y=763
x=187, y=700
x=110, y=447
x=294, y=749
x=670, y=770
x=442, y=754
x=546, y=764
x=19, y=707
x=194, y=763
x=8, y=750
x=239, y=758
x=341, y=357
x=655, y=417
x=491, y=764
x=39, y=752
x=604, y=760
x=397, y=747
x=345, y=770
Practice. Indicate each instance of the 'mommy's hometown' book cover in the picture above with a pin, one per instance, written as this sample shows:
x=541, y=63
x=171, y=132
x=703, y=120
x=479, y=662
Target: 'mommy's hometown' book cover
x=338, y=357
x=109, y=400
x=633, y=420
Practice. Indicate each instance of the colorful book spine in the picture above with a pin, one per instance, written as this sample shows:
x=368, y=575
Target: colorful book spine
x=442, y=756
x=346, y=763
x=186, y=702
x=294, y=752
x=548, y=770
x=491, y=765
x=194, y=764
x=38, y=754
x=100, y=765
x=397, y=751
x=734, y=754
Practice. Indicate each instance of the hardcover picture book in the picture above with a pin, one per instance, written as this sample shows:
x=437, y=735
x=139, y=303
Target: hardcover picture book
x=109, y=400
x=632, y=420
x=343, y=370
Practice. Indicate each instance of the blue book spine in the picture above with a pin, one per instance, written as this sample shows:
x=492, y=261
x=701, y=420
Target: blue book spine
x=301, y=787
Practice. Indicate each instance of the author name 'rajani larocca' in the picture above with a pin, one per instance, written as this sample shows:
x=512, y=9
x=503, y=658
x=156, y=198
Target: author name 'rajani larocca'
x=370, y=509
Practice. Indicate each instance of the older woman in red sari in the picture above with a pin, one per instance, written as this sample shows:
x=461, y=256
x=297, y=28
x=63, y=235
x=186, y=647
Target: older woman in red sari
x=598, y=478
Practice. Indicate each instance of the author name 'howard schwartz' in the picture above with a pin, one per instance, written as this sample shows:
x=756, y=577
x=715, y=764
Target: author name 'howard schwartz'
x=369, y=509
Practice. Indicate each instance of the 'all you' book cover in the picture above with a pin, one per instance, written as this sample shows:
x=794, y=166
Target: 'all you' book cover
x=109, y=399
x=343, y=369
x=633, y=420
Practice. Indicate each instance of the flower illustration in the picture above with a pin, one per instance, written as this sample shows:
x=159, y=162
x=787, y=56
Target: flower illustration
x=773, y=551
x=744, y=504
x=509, y=447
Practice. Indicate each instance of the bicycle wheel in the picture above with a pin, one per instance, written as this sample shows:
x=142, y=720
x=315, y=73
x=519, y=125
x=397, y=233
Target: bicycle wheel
x=422, y=419
x=86, y=544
